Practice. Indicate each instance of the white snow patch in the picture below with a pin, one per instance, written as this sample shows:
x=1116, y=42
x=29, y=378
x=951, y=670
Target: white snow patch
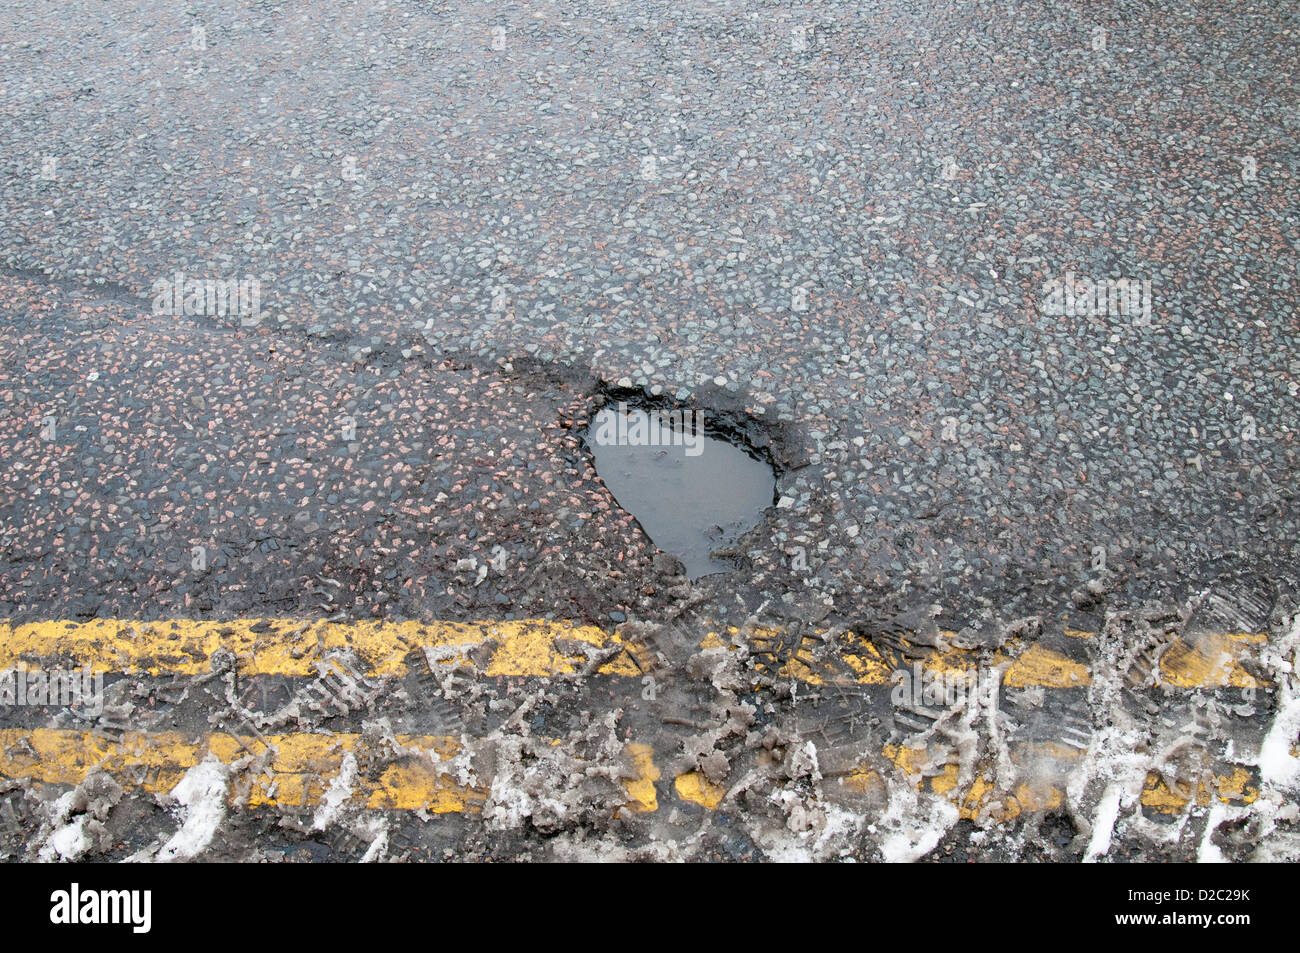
x=202, y=792
x=373, y=829
x=1278, y=768
x=1207, y=852
x=68, y=840
x=340, y=789
x=912, y=825
x=832, y=830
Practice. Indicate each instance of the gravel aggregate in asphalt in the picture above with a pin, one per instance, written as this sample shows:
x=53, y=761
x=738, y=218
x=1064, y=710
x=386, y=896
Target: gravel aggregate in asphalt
x=837, y=221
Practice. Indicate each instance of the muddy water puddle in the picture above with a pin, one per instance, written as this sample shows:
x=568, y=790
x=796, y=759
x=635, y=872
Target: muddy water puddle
x=693, y=488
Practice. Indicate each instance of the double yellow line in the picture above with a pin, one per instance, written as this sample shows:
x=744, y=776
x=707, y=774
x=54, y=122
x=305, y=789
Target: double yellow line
x=296, y=769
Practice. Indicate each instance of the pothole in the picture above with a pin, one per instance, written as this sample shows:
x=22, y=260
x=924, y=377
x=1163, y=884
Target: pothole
x=694, y=484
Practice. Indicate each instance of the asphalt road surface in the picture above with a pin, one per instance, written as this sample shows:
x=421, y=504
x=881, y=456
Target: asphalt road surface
x=307, y=308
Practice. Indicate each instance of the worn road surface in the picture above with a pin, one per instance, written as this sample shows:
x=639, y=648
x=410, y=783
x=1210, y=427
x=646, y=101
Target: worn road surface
x=306, y=308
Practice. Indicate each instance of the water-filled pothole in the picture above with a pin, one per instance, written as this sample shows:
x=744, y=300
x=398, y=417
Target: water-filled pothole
x=694, y=485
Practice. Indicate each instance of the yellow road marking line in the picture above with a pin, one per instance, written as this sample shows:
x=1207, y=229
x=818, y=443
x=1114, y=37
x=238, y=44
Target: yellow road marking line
x=979, y=798
x=303, y=766
x=1215, y=665
x=301, y=769
x=530, y=647
x=1216, y=661
x=290, y=646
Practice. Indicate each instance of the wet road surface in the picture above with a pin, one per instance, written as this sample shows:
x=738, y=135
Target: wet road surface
x=1008, y=296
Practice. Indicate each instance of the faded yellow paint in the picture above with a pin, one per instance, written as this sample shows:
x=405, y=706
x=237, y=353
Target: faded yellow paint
x=694, y=786
x=1234, y=788
x=799, y=667
x=1237, y=786
x=979, y=800
x=946, y=780
x=953, y=661
x=1040, y=666
x=868, y=667
x=907, y=760
x=864, y=782
x=1159, y=796
x=1036, y=666
x=301, y=766
x=528, y=647
x=289, y=647
x=713, y=641
x=979, y=796
x=1047, y=749
x=1214, y=664
x=1033, y=798
x=641, y=789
